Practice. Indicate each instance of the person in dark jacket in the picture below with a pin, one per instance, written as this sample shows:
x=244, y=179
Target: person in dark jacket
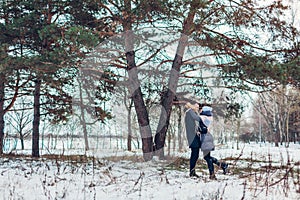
x=191, y=118
x=207, y=118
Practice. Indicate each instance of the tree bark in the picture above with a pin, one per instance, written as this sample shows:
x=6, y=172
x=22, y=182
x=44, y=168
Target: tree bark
x=36, y=119
x=140, y=108
x=134, y=85
x=238, y=132
x=22, y=142
x=170, y=93
x=129, y=137
x=180, y=139
x=167, y=101
x=2, y=77
x=82, y=117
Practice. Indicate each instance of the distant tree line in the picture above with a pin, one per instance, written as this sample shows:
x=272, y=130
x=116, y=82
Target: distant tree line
x=160, y=50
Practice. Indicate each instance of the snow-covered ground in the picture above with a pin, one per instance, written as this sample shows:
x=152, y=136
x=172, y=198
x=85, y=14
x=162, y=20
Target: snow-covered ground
x=258, y=171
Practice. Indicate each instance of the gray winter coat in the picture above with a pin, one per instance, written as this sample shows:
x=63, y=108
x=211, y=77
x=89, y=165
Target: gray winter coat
x=190, y=123
x=207, y=142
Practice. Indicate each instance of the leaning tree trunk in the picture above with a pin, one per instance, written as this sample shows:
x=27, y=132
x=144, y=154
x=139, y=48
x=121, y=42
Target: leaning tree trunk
x=135, y=87
x=169, y=94
x=140, y=108
x=167, y=102
x=36, y=119
x=1, y=112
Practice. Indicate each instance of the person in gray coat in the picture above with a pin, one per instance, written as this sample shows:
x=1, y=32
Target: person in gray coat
x=191, y=119
x=208, y=146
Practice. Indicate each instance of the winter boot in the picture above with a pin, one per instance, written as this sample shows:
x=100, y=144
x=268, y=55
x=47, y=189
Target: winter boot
x=213, y=176
x=193, y=173
x=224, y=167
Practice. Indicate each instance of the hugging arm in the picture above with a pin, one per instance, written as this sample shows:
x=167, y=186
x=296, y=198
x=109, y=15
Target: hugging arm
x=194, y=115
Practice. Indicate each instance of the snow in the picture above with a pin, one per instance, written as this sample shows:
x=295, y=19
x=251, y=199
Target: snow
x=258, y=171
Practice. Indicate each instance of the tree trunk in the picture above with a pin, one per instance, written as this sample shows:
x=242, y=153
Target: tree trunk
x=134, y=84
x=275, y=124
x=36, y=119
x=22, y=142
x=85, y=133
x=129, y=137
x=140, y=108
x=2, y=77
x=276, y=135
x=82, y=117
x=287, y=136
x=169, y=143
x=277, y=139
x=169, y=94
x=168, y=97
x=238, y=133
x=180, y=131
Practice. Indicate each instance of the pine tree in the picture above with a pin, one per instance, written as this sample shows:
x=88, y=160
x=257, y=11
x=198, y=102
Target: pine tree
x=49, y=38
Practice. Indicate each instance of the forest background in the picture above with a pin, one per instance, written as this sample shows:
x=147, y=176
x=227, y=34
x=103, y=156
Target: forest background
x=125, y=69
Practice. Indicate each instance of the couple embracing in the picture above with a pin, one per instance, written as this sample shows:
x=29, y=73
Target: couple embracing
x=198, y=121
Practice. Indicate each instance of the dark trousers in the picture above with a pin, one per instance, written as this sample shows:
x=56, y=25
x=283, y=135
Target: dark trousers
x=194, y=157
x=210, y=163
